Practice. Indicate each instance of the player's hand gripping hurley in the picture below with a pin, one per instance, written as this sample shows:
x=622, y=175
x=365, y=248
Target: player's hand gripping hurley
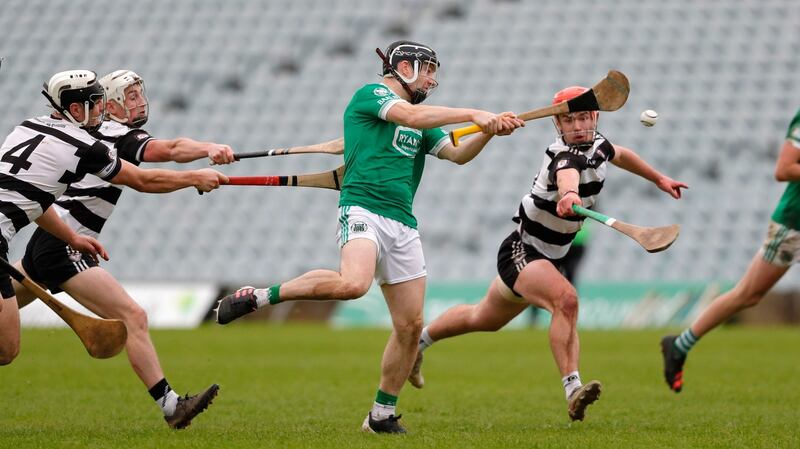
x=102, y=338
x=607, y=95
x=652, y=239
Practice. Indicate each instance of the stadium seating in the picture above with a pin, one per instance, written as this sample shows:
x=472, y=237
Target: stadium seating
x=254, y=74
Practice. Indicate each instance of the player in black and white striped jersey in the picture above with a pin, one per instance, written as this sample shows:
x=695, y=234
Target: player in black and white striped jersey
x=528, y=262
x=38, y=161
x=27, y=195
x=87, y=204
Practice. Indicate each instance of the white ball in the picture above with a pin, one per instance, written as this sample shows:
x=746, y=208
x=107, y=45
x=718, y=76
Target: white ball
x=649, y=117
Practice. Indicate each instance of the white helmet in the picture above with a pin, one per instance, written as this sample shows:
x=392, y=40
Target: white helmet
x=75, y=86
x=114, y=85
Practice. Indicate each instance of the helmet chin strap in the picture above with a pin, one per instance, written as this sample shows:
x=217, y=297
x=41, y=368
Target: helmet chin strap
x=58, y=108
x=417, y=96
x=68, y=116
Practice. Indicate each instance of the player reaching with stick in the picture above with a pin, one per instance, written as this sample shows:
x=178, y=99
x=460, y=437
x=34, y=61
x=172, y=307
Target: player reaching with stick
x=38, y=151
x=780, y=250
x=529, y=261
x=387, y=135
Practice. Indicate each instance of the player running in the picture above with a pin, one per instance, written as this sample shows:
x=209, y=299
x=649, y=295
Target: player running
x=387, y=135
x=42, y=157
x=779, y=251
x=529, y=261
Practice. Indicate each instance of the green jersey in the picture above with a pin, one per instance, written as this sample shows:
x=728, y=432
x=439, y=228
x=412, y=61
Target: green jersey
x=788, y=211
x=383, y=160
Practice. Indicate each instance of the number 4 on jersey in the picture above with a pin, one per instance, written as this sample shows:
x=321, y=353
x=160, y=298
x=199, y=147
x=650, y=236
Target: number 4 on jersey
x=21, y=162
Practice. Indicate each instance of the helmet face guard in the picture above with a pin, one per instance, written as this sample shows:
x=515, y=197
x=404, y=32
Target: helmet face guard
x=115, y=85
x=76, y=86
x=424, y=62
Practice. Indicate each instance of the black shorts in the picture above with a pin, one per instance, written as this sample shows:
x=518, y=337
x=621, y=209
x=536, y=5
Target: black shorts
x=50, y=261
x=514, y=255
x=6, y=289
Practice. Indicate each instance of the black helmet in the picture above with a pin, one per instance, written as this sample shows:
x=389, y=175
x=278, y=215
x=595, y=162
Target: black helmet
x=418, y=55
x=407, y=51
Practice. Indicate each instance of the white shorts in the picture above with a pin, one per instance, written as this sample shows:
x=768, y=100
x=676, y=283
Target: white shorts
x=400, y=255
x=782, y=245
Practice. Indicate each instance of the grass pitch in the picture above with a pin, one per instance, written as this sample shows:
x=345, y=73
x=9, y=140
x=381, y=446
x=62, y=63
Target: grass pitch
x=310, y=387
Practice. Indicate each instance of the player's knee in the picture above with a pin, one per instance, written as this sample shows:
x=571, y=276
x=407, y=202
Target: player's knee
x=353, y=290
x=136, y=319
x=566, y=302
x=745, y=296
x=409, y=329
x=8, y=352
x=491, y=325
x=751, y=300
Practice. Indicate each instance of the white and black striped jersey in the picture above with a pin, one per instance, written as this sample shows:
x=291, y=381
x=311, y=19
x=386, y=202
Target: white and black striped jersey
x=38, y=161
x=86, y=205
x=539, y=223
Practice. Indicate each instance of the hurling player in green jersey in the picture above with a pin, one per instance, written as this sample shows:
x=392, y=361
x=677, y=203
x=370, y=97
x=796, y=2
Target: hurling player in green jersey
x=387, y=135
x=779, y=251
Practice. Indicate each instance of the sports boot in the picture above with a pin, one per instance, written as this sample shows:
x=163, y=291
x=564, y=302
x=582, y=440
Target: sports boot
x=582, y=398
x=388, y=425
x=190, y=406
x=673, y=363
x=237, y=304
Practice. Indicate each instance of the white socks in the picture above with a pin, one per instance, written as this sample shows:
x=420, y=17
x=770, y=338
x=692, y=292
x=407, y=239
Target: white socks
x=381, y=411
x=262, y=297
x=571, y=382
x=424, y=339
x=168, y=402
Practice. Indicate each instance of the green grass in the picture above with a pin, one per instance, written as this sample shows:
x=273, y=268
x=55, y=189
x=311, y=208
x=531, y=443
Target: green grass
x=310, y=387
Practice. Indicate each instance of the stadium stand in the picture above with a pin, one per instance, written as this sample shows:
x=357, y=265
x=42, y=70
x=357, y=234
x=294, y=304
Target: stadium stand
x=253, y=74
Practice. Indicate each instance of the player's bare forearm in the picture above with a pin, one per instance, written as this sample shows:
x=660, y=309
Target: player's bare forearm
x=52, y=223
x=153, y=180
x=164, y=181
x=188, y=150
x=627, y=159
x=630, y=161
x=425, y=117
x=467, y=150
x=173, y=150
x=184, y=149
x=567, y=180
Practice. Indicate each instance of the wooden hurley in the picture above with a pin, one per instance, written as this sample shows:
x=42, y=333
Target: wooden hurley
x=652, y=239
x=607, y=95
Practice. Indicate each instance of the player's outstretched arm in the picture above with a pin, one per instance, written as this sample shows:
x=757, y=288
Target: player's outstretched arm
x=468, y=149
x=627, y=159
x=164, y=181
x=420, y=116
x=184, y=149
x=52, y=223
